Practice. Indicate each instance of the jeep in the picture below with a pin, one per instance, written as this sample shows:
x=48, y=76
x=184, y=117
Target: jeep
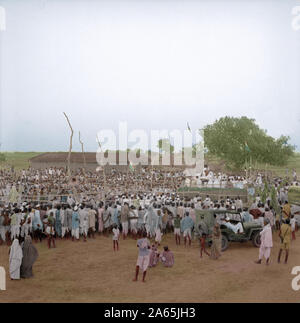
x=205, y=220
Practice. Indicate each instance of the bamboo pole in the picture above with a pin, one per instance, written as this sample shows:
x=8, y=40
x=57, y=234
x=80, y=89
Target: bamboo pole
x=70, y=146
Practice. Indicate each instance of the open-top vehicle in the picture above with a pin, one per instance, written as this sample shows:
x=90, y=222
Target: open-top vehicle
x=205, y=220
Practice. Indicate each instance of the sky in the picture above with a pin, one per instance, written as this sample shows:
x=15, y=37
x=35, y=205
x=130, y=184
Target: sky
x=153, y=64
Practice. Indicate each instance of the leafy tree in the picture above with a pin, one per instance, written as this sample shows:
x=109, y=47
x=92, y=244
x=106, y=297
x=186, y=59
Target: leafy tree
x=265, y=193
x=237, y=140
x=274, y=200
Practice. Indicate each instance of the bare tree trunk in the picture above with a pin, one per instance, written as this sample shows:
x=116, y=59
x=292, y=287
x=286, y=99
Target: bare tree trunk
x=104, y=175
x=151, y=177
x=70, y=147
x=84, y=160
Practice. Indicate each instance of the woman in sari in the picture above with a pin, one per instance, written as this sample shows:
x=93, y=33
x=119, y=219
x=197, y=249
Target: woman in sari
x=216, y=242
x=30, y=255
x=15, y=260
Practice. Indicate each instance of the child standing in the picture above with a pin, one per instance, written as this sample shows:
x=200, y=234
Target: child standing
x=154, y=256
x=176, y=225
x=116, y=236
x=202, y=245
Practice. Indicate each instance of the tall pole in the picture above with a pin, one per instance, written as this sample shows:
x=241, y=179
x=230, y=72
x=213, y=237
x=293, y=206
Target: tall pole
x=81, y=143
x=151, y=176
x=70, y=146
x=104, y=175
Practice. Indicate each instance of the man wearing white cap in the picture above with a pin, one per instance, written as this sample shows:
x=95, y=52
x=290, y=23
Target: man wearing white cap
x=186, y=226
x=143, y=258
x=28, y=222
x=37, y=224
x=266, y=242
x=64, y=221
x=84, y=221
x=92, y=221
x=124, y=219
x=75, y=224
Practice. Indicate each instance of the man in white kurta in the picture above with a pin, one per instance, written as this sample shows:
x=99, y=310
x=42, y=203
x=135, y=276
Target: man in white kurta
x=143, y=258
x=84, y=221
x=266, y=242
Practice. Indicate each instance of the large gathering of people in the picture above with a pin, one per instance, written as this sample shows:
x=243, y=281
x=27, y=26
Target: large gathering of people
x=45, y=205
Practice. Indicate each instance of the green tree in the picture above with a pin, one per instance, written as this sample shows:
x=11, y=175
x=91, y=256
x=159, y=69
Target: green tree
x=274, y=200
x=237, y=140
x=265, y=193
x=164, y=145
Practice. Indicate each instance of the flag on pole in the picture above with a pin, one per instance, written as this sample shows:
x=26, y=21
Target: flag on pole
x=131, y=167
x=189, y=128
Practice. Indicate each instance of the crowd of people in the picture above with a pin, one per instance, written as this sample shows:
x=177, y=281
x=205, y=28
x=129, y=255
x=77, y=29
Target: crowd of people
x=50, y=184
x=143, y=206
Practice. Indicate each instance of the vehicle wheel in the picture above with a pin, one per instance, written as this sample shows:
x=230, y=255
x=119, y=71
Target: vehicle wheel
x=224, y=243
x=256, y=240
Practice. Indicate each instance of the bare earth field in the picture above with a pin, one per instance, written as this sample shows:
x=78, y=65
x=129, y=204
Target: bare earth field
x=92, y=272
x=20, y=160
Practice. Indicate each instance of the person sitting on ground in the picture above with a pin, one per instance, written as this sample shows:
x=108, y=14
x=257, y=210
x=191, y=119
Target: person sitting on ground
x=154, y=256
x=203, y=245
x=167, y=257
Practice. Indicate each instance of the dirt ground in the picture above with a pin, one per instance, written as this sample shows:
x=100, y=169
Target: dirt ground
x=92, y=272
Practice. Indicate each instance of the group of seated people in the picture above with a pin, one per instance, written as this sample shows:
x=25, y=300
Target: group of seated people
x=166, y=257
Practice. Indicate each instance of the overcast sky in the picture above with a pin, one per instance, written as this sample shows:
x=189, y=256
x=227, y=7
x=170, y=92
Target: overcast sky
x=155, y=64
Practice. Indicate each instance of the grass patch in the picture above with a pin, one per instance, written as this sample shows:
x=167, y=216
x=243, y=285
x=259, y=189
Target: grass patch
x=294, y=195
x=19, y=160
